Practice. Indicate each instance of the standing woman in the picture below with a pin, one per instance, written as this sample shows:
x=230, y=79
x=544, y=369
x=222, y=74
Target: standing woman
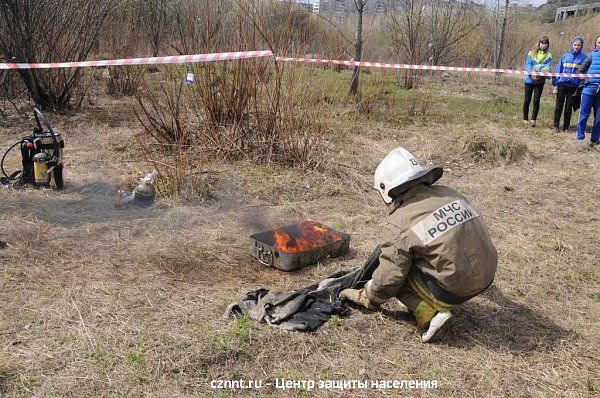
x=538, y=60
x=569, y=63
x=590, y=96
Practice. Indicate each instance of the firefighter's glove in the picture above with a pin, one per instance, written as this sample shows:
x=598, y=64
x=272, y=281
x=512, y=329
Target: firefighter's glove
x=358, y=296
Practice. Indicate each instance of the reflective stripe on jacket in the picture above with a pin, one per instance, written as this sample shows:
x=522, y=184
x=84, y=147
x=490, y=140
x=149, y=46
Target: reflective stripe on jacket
x=536, y=61
x=569, y=63
x=438, y=225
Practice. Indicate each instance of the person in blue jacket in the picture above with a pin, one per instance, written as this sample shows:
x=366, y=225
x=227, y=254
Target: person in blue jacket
x=590, y=96
x=538, y=60
x=569, y=63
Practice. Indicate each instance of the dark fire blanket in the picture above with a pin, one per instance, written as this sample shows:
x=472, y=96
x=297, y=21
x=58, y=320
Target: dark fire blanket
x=303, y=309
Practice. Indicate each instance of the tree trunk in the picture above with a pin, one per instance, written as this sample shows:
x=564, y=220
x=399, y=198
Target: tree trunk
x=502, y=35
x=495, y=33
x=360, y=6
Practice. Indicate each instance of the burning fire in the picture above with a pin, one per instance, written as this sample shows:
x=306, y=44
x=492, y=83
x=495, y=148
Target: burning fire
x=306, y=235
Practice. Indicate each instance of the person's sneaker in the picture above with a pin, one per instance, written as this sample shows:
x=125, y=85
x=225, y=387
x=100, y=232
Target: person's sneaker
x=556, y=129
x=437, y=325
x=533, y=123
x=525, y=121
x=584, y=145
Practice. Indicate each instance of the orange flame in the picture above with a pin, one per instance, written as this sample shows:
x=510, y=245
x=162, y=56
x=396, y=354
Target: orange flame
x=306, y=235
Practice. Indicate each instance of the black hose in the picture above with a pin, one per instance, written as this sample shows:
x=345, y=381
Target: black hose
x=13, y=175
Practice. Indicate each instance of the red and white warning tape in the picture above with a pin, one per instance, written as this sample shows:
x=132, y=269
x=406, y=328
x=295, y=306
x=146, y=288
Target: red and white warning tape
x=184, y=59
x=430, y=67
x=179, y=59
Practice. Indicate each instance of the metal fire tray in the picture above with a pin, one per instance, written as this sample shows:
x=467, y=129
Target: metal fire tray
x=297, y=245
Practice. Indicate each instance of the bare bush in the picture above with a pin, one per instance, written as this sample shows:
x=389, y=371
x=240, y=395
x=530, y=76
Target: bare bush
x=123, y=38
x=243, y=116
x=163, y=114
x=154, y=19
x=124, y=80
x=174, y=150
x=289, y=27
x=120, y=36
x=252, y=109
x=425, y=31
x=4, y=87
x=223, y=91
x=200, y=25
x=50, y=31
x=247, y=109
x=11, y=88
x=3, y=79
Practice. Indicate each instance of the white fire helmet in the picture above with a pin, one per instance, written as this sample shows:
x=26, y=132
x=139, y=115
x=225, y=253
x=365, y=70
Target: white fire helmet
x=399, y=171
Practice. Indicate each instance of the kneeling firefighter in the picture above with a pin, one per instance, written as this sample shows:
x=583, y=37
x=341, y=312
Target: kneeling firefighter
x=436, y=251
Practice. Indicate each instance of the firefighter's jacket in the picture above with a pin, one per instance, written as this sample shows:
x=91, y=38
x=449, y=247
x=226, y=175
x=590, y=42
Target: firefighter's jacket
x=437, y=230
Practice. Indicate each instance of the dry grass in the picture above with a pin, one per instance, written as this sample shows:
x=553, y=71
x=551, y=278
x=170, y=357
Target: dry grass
x=96, y=301
x=483, y=146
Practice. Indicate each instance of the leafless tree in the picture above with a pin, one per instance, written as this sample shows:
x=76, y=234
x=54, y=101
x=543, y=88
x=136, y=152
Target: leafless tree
x=50, y=31
x=405, y=28
x=506, y=47
x=427, y=30
x=199, y=24
x=3, y=76
x=449, y=22
x=358, y=42
x=500, y=43
x=155, y=20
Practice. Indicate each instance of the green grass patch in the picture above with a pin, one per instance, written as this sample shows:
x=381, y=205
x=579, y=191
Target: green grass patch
x=29, y=382
x=232, y=341
x=103, y=360
x=566, y=274
x=136, y=358
x=544, y=290
x=242, y=328
x=335, y=320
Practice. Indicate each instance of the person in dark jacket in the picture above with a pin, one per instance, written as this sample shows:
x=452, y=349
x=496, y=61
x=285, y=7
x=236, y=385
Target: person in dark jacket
x=570, y=62
x=590, y=96
x=538, y=60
